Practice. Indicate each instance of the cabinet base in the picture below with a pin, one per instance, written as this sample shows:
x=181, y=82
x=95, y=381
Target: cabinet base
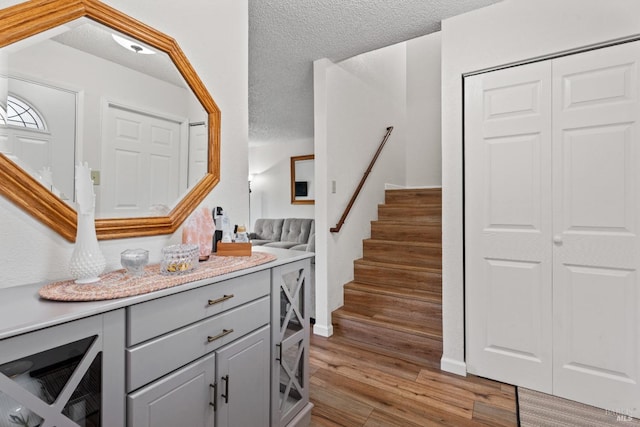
x=303, y=419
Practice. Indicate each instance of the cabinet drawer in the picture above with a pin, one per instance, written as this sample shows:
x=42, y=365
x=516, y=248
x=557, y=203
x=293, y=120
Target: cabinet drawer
x=153, y=318
x=157, y=357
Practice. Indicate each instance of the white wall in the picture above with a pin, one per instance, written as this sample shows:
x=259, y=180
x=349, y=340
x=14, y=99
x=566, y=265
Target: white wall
x=355, y=101
x=424, y=156
x=507, y=32
x=270, y=165
x=216, y=42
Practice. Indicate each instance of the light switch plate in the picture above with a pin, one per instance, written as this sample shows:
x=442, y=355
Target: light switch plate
x=95, y=177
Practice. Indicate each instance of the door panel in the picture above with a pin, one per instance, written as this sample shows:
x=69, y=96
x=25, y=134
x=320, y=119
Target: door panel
x=244, y=380
x=596, y=170
x=597, y=166
x=508, y=225
x=518, y=282
x=142, y=164
x=180, y=399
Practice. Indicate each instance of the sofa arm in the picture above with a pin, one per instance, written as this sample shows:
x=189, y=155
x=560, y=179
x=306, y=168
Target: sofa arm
x=311, y=243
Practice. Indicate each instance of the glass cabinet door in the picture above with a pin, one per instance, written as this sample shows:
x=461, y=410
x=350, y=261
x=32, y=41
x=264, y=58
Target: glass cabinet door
x=290, y=288
x=53, y=377
x=68, y=377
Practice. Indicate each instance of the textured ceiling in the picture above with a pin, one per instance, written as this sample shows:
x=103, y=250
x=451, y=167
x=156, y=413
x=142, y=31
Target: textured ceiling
x=286, y=36
x=94, y=38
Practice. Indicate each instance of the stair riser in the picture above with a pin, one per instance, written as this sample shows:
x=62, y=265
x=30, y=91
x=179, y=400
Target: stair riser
x=406, y=345
x=405, y=232
x=392, y=277
x=419, y=256
x=429, y=215
x=421, y=312
x=431, y=196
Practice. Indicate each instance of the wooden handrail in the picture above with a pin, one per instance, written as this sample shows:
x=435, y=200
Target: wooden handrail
x=340, y=223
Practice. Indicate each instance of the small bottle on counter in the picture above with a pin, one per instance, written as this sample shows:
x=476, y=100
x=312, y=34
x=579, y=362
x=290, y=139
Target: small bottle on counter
x=227, y=234
x=241, y=234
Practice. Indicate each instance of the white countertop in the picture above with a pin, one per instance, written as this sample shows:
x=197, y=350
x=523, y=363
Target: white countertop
x=22, y=310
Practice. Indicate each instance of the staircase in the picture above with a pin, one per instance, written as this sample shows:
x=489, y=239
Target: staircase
x=394, y=303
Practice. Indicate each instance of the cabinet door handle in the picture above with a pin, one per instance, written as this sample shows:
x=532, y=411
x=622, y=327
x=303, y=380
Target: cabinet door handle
x=214, y=386
x=279, y=358
x=220, y=335
x=219, y=300
x=226, y=388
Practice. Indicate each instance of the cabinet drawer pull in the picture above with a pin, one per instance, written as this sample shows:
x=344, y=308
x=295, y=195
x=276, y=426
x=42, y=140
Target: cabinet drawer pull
x=220, y=335
x=221, y=299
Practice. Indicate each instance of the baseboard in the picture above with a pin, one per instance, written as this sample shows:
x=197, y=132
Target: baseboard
x=322, y=330
x=453, y=366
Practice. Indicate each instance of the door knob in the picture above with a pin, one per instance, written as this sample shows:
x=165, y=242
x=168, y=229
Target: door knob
x=557, y=239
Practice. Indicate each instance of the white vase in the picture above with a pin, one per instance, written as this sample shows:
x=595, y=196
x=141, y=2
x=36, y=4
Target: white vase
x=87, y=261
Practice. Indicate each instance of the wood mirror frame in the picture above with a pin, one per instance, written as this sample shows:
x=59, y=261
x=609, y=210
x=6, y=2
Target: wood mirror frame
x=294, y=200
x=32, y=17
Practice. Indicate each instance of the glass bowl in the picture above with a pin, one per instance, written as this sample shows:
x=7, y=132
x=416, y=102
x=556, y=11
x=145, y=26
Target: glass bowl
x=134, y=261
x=179, y=259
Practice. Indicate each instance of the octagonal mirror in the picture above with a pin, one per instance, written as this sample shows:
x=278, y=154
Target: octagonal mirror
x=83, y=82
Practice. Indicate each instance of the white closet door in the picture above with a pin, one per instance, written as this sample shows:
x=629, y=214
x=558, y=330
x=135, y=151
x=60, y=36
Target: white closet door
x=596, y=217
x=508, y=225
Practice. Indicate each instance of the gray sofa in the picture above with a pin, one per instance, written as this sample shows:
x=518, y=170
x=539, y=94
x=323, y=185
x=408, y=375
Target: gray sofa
x=286, y=233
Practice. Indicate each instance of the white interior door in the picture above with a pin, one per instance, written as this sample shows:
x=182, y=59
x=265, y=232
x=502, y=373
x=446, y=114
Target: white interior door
x=198, y=152
x=141, y=159
x=508, y=225
x=53, y=147
x=596, y=220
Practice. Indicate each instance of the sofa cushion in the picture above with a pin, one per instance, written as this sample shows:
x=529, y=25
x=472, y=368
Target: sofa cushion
x=282, y=245
x=296, y=230
x=266, y=230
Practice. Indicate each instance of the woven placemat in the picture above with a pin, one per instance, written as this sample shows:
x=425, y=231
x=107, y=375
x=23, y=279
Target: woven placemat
x=118, y=284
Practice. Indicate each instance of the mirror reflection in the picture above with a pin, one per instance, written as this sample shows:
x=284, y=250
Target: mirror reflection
x=75, y=93
x=302, y=180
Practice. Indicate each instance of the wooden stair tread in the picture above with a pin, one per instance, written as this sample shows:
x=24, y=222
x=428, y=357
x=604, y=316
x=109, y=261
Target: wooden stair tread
x=412, y=223
x=424, y=195
x=384, y=352
x=405, y=244
x=394, y=303
x=389, y=265
x=397, y=292
x=391, y=324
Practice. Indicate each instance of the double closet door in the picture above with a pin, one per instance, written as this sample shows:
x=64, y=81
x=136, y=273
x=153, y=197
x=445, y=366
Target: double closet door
x=552, y=223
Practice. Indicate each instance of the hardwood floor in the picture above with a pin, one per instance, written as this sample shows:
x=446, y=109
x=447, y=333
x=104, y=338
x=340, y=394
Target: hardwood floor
x=351, y=385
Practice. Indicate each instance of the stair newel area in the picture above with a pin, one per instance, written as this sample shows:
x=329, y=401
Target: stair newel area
x=394, y=303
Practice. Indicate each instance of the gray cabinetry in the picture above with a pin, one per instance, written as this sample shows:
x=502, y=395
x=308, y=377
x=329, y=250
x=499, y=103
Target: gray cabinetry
x=230, y=386
x=290, y=344
x=242, y=389
x=66, y=375
x=183, y=398
x=230, y=351
x=201, y=357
